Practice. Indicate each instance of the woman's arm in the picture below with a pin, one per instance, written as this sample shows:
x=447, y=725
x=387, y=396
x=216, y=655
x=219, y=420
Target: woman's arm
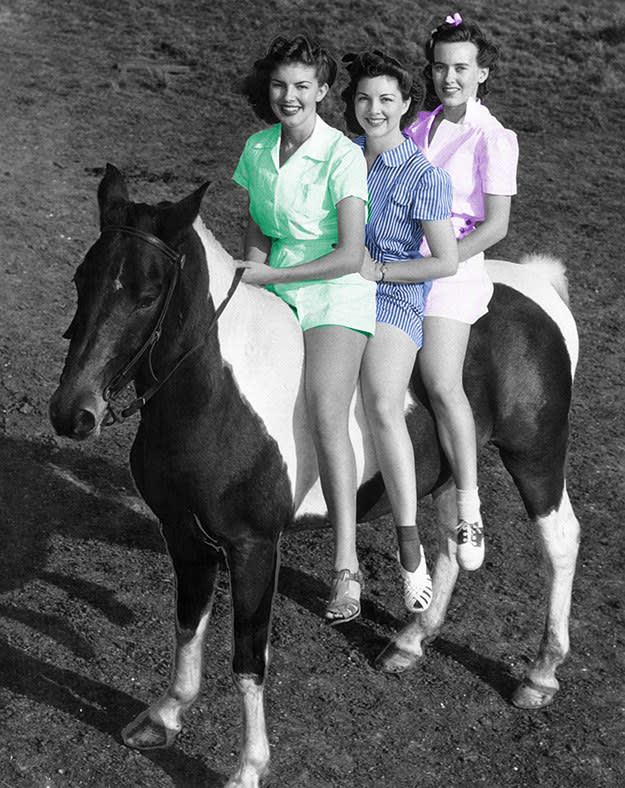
x=257, y=246
x=345, y=258
x=491, y=230
x=443, y=260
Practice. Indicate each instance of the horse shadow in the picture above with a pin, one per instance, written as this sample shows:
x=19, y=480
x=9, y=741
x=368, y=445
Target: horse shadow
x=363, y=633
x=43, y=492
x=97, y=705
x=490, y=671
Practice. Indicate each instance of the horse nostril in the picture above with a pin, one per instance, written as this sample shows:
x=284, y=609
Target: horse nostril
x=84, y=423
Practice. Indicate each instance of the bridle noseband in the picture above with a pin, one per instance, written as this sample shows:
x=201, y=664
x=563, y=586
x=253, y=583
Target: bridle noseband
x=123, y=376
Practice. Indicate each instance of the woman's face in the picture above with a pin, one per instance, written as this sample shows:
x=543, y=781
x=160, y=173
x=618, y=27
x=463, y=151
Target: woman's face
x=379, y=106
x=294, y=92
x=456, y=73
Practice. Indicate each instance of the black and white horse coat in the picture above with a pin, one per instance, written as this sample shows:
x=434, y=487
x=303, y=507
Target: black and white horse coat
x=224, y=457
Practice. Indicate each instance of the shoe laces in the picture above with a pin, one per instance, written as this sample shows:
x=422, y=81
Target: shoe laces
x=470, y=532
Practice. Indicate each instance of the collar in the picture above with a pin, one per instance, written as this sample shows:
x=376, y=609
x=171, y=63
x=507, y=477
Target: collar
x=316, y=146
x=474, y=110
x=394, y=157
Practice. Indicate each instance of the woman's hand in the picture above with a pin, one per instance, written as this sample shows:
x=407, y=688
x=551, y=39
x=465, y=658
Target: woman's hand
x=368, y=270
x=255, y=273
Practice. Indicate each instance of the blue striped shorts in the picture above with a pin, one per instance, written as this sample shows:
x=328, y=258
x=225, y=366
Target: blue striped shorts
x=403, y=306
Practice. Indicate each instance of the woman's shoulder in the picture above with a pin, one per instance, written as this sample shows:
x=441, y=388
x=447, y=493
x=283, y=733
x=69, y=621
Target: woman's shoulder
x=328, y=142
x=418, y=129
x=483, y=119
x=419, y=165
x=266, y=138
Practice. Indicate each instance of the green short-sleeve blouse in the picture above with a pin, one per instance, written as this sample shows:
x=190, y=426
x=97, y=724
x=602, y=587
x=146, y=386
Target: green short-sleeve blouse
x=295, y=205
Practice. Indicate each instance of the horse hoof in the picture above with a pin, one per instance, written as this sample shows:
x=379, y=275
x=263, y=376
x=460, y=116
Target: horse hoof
x=530, y=695
x=249, y=778
x=146, y=733
x=393, y=659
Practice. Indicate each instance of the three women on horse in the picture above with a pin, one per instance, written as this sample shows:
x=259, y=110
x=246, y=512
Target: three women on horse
x=377, y=246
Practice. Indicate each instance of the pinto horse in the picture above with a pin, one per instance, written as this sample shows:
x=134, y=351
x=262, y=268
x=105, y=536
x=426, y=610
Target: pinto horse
x=224, y=457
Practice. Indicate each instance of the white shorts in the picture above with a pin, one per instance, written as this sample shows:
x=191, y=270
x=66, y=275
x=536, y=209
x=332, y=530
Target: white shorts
x=463, y=296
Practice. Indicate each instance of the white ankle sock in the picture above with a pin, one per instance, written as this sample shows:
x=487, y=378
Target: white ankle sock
x=468, y=505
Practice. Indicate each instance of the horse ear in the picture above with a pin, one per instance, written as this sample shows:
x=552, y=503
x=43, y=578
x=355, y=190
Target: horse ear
x=183, y=213
x=112, y=194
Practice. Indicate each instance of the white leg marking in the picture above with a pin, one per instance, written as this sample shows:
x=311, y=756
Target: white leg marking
x=159, y=725
x=254, y=762
x=407, y=645
x=559, y=533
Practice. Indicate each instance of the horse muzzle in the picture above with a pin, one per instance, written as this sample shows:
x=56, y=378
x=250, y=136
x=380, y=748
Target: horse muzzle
x=77, y=417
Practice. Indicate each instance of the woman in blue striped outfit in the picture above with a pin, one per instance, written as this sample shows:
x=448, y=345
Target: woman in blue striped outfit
x=409, y=198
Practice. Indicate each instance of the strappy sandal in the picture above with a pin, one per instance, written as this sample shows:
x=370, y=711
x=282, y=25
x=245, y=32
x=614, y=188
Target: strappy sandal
x=417, y=586
x=344, y=604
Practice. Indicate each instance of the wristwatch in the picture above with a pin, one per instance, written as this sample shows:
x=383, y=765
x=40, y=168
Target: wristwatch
x=382, y=272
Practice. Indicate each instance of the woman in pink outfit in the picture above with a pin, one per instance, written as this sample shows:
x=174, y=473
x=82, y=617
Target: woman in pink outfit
x=461, y=136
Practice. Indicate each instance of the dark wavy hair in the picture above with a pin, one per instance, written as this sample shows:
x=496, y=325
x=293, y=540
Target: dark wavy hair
x=301, y=49
x=378, y=64
x=445, y=33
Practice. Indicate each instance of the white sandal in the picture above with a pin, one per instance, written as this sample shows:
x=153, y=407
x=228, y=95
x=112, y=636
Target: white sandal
x=417, y=586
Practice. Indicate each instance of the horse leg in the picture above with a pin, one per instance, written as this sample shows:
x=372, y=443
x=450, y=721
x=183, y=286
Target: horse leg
x=559, y=532
x=253, y=574
x=405, y=648
x=195, y=565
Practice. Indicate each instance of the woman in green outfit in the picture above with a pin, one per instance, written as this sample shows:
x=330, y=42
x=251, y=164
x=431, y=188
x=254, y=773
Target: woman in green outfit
x=307, y=188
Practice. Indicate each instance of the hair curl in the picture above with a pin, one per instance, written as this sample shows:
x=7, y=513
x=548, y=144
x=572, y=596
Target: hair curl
x=378, y=64
x=445, y=33
x=301, y=49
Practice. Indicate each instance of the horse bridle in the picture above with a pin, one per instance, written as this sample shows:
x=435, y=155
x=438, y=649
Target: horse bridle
x=123, y=376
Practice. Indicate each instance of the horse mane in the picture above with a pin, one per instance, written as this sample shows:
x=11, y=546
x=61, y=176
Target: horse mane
x=550, y=268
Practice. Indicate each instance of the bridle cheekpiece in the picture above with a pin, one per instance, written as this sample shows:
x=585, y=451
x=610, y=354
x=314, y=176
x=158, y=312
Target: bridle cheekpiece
x=123, y=376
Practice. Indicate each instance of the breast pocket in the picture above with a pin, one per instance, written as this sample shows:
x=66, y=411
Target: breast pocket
x=310, y=205
x=401, y=199
x=398, y=218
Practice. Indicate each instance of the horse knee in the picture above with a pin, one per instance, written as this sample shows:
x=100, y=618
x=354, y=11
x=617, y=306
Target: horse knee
x=560, y=533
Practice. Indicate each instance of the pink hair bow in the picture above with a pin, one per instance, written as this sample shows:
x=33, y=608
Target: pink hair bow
x=454, y=20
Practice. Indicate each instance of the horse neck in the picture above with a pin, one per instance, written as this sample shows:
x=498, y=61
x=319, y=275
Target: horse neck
x=219, y=263
x=188, y=324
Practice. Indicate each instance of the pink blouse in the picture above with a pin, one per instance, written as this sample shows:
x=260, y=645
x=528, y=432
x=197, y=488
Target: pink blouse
x=480, y=155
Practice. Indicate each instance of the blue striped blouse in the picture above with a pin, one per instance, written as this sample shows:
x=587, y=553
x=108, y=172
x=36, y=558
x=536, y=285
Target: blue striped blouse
x=404, y=189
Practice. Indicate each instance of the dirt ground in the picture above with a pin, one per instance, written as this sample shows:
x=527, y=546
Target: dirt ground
x=85, y=586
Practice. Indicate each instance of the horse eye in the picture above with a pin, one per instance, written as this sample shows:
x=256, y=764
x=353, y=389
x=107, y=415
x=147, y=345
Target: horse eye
x=146, y=300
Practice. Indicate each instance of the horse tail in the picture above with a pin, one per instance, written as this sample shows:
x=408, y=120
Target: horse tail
x=550, y=268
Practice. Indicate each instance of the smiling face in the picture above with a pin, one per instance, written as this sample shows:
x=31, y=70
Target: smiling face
x=294, y=92
x=379, y=108
x=456, y=76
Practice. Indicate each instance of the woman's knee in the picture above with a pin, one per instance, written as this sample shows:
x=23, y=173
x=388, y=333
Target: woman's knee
x=329, y=421
x=382, y=411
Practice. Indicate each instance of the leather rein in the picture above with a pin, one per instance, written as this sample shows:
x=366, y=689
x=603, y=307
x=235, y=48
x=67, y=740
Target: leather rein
x=123, y=376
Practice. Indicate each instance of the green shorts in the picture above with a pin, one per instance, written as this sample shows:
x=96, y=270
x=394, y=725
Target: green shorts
x=347, y=301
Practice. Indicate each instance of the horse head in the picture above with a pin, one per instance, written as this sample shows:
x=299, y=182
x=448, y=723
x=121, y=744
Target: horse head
x=129, y=292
